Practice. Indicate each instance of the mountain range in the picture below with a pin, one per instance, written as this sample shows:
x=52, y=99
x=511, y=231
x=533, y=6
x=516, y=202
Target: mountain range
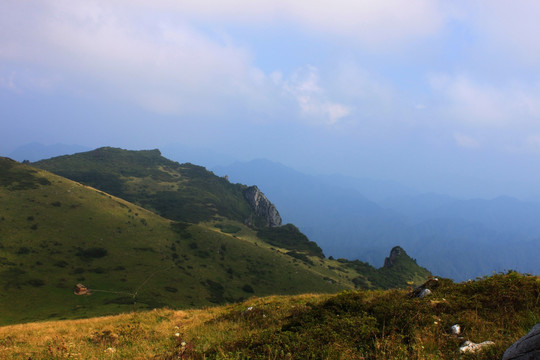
x=455, y=238
x=138, y=231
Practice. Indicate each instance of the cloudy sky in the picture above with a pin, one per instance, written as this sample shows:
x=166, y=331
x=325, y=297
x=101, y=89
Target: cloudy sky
x=440, y=95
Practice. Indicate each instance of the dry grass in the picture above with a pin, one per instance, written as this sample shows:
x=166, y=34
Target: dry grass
x=350, y=325
x=156, y=334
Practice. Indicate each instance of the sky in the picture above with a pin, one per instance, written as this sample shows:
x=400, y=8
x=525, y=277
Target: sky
x=443, y=96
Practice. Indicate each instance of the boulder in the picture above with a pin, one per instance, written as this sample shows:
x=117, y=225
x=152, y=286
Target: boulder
x=424, y=289
x=455, y=329
x=526, y=348
x=470, y=347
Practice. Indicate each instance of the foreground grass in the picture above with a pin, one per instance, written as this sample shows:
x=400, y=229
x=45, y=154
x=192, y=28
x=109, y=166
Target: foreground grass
x=350, y=325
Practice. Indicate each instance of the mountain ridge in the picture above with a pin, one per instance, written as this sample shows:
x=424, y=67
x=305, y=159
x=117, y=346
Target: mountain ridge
x=455, y=238
x=56, y=233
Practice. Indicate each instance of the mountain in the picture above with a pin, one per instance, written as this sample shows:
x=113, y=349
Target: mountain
x=375, y=190
x=341, y=220
x=55, y=233
x=36, y=151
x=502, y=214
x=455, y=238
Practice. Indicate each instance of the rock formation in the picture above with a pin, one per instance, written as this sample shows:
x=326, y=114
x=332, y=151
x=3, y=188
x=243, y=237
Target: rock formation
x=526, y=348
x=394, y=254
x=262, y=206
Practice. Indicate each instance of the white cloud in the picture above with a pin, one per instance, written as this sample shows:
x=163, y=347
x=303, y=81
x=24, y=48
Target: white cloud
x=370, y=22
x=165, y=66
x=466, y=141
x=478, y=104
x=304, y=86
x=510, y=27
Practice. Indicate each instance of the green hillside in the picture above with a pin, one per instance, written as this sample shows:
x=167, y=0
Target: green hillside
x=183, y=192
x=56, y=233
x=190, y=193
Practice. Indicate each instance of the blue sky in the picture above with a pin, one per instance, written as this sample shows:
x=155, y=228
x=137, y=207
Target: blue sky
x=439, y=95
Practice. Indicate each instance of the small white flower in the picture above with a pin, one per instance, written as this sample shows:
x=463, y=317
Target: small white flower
x=183, y=343
x=177, y=334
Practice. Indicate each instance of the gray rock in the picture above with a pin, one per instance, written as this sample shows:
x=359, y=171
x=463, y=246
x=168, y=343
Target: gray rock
x=526, y=348
x=455, y=329
x=470, y=347
x=262, y=206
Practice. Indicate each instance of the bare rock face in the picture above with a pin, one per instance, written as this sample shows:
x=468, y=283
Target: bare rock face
x=262, y=206
x=526, y=348
x=394, y=254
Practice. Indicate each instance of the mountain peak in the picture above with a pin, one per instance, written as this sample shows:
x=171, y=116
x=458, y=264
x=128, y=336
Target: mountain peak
x=395, y=253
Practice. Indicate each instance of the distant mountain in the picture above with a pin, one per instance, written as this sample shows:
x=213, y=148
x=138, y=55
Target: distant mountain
x=456, y=238
x=200, y=156
x=55, y=233
x=341, y=220
x=374, y=190
x=419, y=207
x=36, y=151
x=503, y=214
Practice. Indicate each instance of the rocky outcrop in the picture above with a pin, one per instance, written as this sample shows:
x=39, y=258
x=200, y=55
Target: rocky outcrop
x=526, y=348
x=262, y=206
x=394, y=254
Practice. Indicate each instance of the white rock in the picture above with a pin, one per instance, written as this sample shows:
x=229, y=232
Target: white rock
x=470, y=347
x=424, y=293
x=455, y=329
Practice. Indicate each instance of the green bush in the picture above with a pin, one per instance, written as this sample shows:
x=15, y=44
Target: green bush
x=91, y=253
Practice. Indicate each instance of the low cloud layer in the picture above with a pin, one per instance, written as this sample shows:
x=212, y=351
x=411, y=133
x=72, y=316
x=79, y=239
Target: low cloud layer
x=345, y=79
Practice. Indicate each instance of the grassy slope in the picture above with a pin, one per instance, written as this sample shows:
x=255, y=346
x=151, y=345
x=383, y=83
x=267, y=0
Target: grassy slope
x=183, y=192
x=350, y=325
x=190, y=193
x=55, y=233
x=48, y=231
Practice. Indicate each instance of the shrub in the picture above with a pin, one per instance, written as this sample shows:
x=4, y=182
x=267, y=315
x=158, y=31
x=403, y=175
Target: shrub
x=91, y=253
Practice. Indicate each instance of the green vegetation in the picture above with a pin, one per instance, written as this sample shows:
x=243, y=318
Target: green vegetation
x=182, y=192
x=350, y=325
x=289, y=237
x=403, y=270
x=100, y=241
x=16, y=177
x=56, y=233
x=389, y=325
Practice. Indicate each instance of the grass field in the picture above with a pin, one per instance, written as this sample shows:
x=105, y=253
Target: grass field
x=350, y=325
